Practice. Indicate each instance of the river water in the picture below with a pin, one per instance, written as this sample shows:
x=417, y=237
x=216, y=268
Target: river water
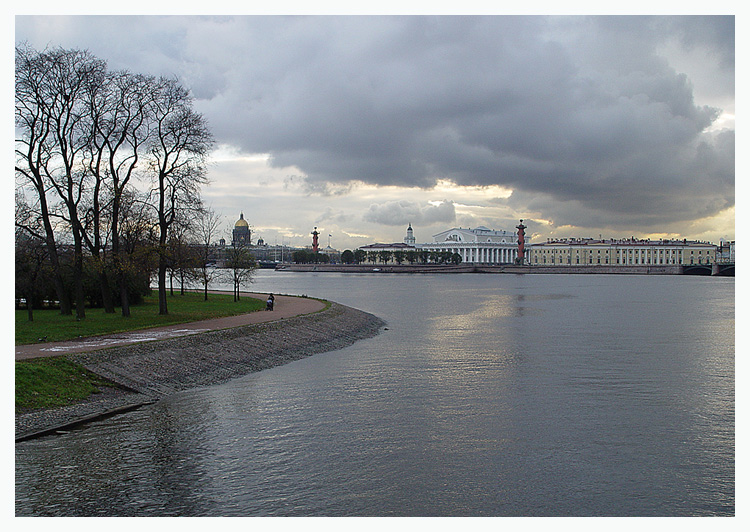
x=487, y=395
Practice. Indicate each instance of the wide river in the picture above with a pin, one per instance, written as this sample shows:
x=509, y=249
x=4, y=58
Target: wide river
x=487, y=395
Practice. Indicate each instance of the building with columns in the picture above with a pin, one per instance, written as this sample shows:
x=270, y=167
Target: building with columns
x=621, y=252
x=477, y=246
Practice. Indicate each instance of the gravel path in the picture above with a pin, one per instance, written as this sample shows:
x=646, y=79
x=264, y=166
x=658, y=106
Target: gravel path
x=150, y=370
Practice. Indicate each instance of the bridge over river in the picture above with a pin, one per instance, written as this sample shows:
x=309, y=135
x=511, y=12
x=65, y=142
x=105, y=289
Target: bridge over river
x=725, y=270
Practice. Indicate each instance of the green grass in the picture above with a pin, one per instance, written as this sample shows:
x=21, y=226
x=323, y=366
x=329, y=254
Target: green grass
x=54, y=381
x=182, y=309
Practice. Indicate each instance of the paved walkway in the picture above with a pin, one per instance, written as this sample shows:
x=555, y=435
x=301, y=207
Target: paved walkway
x=284, y=307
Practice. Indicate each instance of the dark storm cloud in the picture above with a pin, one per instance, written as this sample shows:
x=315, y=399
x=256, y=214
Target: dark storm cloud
x=583, y=111
x=576, y=108
x=714, y=33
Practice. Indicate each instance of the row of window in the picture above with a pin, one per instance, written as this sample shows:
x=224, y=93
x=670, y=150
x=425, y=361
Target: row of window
x=621, y=251
x=630, y=258
x=606, y=261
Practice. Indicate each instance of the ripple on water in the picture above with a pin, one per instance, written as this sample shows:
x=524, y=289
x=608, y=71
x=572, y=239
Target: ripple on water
x=533, y=395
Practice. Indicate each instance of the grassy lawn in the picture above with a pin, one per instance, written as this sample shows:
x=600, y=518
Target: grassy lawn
x=189, y=307
x=54, y=381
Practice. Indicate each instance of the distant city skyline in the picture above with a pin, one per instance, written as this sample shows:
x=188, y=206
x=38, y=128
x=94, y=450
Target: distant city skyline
x=614, y=125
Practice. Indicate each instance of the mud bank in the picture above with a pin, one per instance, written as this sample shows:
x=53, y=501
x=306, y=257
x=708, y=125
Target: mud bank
x=149, y=371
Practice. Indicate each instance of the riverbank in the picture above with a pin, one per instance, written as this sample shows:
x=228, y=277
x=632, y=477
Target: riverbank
x=150, y=370
x=284, y=307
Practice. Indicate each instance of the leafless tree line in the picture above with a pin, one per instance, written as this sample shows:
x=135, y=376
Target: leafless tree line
x=105, y=161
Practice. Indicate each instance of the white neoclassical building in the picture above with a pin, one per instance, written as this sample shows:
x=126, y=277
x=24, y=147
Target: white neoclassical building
x=477, y=246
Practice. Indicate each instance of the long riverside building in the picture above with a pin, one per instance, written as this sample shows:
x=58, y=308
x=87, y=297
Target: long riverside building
x=624, y=252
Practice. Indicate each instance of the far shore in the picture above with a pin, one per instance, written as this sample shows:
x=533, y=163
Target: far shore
x=582, y=269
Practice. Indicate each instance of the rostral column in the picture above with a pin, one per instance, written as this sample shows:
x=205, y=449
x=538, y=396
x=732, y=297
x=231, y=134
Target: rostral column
x=521, y=248
x=315, y=240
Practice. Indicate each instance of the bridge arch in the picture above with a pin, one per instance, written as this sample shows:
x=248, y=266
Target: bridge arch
x=696, y=269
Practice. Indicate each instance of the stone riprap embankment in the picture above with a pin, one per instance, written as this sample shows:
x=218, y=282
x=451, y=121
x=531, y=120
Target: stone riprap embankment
x=152, y=370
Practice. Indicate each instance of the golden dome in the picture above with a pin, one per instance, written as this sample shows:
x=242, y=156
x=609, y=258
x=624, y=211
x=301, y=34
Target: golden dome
x=241, y=222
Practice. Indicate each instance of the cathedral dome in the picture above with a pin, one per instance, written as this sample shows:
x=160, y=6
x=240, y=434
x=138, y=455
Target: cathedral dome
x=241, y=222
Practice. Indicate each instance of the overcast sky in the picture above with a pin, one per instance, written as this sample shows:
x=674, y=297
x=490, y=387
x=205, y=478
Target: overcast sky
x=620, y=126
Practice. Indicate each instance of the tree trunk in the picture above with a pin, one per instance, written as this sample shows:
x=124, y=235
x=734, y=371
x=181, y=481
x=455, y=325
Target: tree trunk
x=162, y=286
x=78, y=276
x=107, y=302
x=30, y=305
x=62, y=294
x=124, y=297
x=117, y=260
x=66, y=308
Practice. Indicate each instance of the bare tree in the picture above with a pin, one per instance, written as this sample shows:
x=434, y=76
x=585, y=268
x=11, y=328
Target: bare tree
x=120, y=130
x=207, y=228
x=55, y=86
x=183, y=257
x=34, y=153
x=83, y=133
x=179, y=148
x=240, y=265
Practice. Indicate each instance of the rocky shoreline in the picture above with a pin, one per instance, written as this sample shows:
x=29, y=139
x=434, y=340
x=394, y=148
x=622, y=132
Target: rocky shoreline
x=148, y=371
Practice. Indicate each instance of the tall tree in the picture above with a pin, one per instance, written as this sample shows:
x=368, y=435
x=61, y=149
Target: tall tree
x=120, y=131
x=179, y=147
x=34, y=151
x=83, y=133
x=58, y=96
